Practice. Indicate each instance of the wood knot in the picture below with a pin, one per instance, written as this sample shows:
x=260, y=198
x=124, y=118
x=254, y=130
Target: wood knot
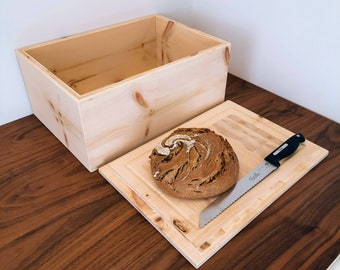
x=227, y=56
x=180, y=226
x=146, y=133
x=60, y=120
x=205, y=245
x=167, y=30
x=140, y=99
x=50, y=103
x=158, y=219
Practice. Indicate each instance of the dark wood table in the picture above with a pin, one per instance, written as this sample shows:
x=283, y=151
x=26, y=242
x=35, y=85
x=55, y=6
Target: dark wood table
x=54, y=214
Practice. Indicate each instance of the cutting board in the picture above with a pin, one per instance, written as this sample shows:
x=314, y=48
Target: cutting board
x=252, y=138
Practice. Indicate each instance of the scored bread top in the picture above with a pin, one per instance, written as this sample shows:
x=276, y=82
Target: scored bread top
x=194, y=163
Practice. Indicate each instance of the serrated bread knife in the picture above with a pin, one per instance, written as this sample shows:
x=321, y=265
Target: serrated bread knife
x=270, y=164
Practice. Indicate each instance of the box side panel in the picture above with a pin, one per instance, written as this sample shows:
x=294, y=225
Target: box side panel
x=126, y=115
x=53, y=106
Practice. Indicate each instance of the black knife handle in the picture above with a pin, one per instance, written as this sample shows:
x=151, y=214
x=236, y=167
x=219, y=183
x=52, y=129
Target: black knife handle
x=285, y=149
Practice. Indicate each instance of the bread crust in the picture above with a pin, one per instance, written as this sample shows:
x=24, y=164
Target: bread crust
x=194, y=163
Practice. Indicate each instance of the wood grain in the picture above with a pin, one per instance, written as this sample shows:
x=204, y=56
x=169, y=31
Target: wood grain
x=252, y=138
x=87, y=88
x=54, y=214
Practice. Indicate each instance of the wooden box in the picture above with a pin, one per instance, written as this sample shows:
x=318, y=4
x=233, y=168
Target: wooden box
x=107, y=91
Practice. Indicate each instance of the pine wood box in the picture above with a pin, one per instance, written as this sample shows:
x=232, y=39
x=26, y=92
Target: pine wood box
x=107, y=91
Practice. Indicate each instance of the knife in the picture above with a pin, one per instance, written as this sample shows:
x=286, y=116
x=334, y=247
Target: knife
x=270, y=164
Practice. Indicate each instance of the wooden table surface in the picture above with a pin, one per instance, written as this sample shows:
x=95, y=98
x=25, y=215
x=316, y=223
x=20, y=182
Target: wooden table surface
x=54, y=214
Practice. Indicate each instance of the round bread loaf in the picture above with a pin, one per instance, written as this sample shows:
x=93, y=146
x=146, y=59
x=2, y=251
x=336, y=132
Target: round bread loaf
x=194, y=163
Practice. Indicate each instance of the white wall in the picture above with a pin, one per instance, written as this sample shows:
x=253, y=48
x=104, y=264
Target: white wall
x=24, y=23
x=29, y=22
x=291, y=48
x=288, y=47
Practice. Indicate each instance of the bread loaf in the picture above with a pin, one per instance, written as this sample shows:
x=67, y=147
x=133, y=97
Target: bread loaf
x=194, y=163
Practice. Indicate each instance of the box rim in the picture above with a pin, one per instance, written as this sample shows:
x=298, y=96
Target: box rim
x=24, y=52
x=115, y=25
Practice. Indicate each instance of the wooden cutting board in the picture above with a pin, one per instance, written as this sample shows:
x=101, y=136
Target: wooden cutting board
x=252, y=137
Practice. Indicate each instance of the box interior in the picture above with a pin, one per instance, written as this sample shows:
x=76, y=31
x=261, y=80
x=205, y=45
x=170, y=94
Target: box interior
x=94, y=60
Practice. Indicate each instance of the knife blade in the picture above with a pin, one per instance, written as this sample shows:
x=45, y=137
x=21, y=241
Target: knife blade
x=270, y=164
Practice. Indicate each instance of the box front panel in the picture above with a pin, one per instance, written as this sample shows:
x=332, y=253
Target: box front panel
x=126, y=115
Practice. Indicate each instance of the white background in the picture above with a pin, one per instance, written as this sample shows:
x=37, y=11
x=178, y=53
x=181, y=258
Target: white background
x=291, y=48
